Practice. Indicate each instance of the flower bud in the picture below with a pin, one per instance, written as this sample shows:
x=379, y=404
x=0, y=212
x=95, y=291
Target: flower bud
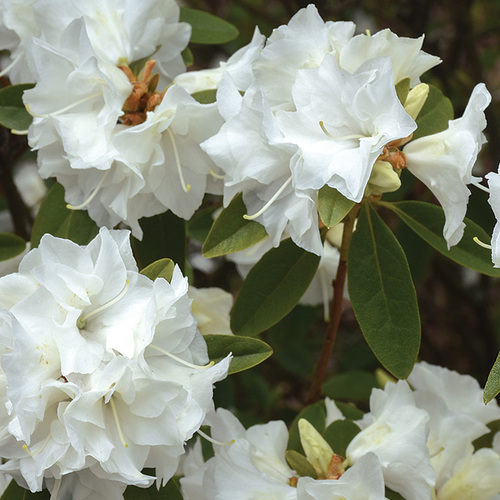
x=383, y=179
x=416, y=99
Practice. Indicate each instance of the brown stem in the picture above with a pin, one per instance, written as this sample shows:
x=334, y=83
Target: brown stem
x=335, y=309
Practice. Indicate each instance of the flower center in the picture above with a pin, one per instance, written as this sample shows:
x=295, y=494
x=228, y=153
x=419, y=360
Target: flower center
x=144, y=96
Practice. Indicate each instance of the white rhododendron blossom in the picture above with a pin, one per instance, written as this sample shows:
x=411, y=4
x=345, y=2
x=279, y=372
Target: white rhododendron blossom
x=211, y=307
x=105, y=370
x=446, y=159
x=494, y=200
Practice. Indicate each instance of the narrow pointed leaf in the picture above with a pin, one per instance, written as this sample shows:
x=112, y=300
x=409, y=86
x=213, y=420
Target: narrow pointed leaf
x=13, y=114
x=492, y=386
x=300, y=464
x=247, y=352
x=11, y=245
x=232, y=233
x=435, y=114
x=427, y=220
x=383, y=295
x=164, y=237
x=333, y=206
x=207, y=28
x=53, y=217
x=163, y=268
x=273, y=288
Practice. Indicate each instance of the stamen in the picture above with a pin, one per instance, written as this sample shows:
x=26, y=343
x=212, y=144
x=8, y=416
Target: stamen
x=92, y=195
x=80, y=323
x=212, y=440
x=178, y=162
x=185, y=363
x=40, y=449
x=270, y=202
x=480, y=243
x=118, y=426
x=10, y=66
x=18, y=132
x=341, y=138
x=481, y=187
x=67, y=108
x=216, y=176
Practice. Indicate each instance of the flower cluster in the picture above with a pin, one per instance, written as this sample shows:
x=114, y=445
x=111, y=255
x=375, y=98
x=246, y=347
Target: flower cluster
x=104, y=371
x=407, y=442
x=321, y=109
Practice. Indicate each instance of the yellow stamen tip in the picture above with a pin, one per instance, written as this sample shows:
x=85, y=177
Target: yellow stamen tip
x=188, y=188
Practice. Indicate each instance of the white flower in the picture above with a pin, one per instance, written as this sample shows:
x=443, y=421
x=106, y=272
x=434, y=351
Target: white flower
x=342, y=124
x=259, y=167
x=103, y=366
x=407, y=58
x=396, y=431
x=303, y=43
x=444, y=161
x=239, y=66
x=211, y=307
x=494, y=201
x=363, y=481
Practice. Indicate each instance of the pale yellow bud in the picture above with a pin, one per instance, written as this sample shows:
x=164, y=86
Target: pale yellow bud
x=317, y=450
x=383, y=179
x=416, y=99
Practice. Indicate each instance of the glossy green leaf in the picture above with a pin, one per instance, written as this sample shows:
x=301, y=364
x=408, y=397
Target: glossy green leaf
x=427, y=220
x=54, y=218
x=171, y=491
x=492, y=386
x=247, y=352
x=273, y=288
x=486, y=440
x=13, y=114
x=383, y=295
x=163, y=268
x=316, y=415
x=232, y=233
x=16, y=492
x=339, y=434
x=11, y=245
x=349, y=410
x=402, y=89
x=207, y=28
x=205, y=96
x=300, y=464
x=164, y=237
x=200, y=224
x=435, y=114
x=354, y=385
x=333, y=206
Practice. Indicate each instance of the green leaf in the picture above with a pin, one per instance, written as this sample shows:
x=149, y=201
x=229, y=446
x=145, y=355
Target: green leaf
x=232, y=233
x=486, y=440
x=333, y=206
x=164, y=237
x=205, y=96
x=492, y=386
x=200, y=224
x=54, y=218
x=339, y=434
x=316, y=415
x=207, y=28
x=247, y=352
x=349, y=410
x=272, y=288
x=13, y=114
x=427, y=220
x=187, y=57
x=354, y=385
x=11, y=245
x=171, y=491
x=163, y=268
x=137, y=66
x=383, y=295
x=435, y=114
x=392, y=495
x=300, y=464
x=402, y=89
x=16, y=492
